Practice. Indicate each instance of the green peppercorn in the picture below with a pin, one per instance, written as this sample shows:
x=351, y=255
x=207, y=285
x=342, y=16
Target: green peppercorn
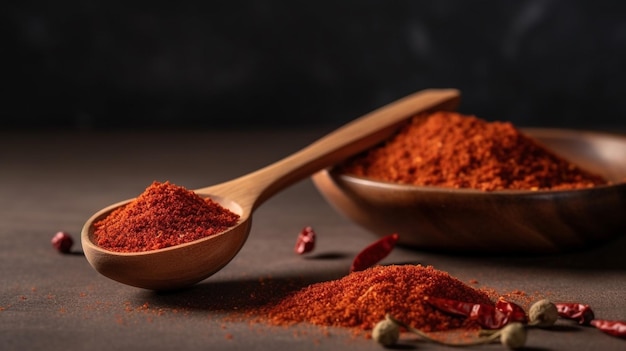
x=513, y=335
x=543, y=313
x=386, y=332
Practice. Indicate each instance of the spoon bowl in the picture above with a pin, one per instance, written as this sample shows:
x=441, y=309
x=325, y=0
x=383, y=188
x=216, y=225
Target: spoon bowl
x=474, y=221
x=173, y=267
x=183, y=265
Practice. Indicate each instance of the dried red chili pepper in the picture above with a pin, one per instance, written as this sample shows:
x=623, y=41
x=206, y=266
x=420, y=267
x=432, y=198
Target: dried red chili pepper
x=576, y=311
x=615, y=328
x=515, y=312
x=374, y=253
x=487, y=316
x=459, y=308
x=306, y=241
x=63, y=242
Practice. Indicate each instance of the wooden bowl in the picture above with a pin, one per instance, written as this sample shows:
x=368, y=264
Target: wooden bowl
x=471, y=221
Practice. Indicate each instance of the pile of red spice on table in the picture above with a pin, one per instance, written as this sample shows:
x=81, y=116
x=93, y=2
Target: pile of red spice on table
x=361, y=299
x=449, y=149
x=430, y=302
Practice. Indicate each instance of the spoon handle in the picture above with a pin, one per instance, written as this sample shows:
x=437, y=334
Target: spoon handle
x=253, y=189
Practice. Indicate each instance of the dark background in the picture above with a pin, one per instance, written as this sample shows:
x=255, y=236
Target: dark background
x=245, y=64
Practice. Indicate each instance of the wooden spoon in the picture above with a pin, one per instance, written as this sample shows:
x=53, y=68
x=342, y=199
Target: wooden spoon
x=186, y=264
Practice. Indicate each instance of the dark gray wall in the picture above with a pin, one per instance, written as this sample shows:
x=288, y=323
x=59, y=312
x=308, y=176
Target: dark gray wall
x=102, y=64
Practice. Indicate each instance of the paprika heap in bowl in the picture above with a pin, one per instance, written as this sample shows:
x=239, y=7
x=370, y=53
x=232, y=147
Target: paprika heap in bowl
x=452, y=182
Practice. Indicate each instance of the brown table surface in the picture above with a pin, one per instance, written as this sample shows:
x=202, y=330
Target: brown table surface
x=51, y=181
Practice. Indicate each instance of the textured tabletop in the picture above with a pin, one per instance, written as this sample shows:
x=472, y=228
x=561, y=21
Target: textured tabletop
x=50, y=301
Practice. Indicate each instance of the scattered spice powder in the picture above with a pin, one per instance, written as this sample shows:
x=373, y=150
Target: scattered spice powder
x=361, y=299
x=449, y=149
x=163, y=215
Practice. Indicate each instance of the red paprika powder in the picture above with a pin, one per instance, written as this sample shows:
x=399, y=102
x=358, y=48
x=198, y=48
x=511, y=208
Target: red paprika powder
x=361, y=299
x=449, y=149
x=163, y=215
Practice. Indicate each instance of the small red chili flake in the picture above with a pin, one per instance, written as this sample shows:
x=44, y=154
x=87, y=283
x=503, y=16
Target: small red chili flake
x=306, y=241
x=579, y=312
x=63, y=242
x=615, y=328
x=374, y=253
x=515, y=312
